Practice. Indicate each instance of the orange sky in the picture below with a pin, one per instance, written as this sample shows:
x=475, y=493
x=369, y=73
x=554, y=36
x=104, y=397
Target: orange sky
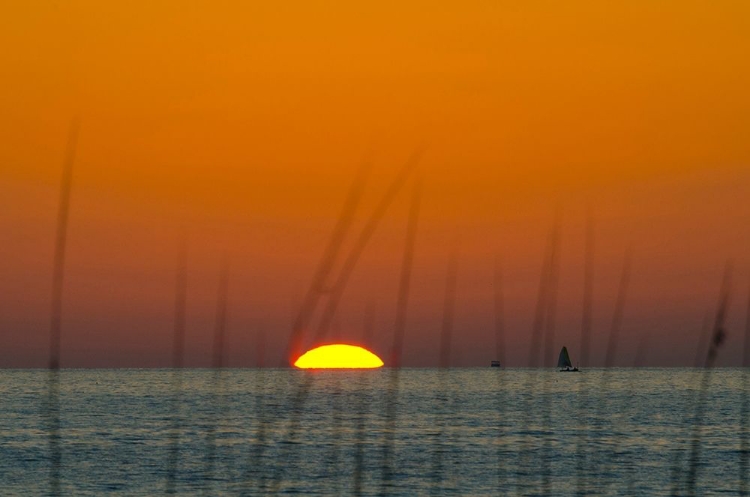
x=246, y=122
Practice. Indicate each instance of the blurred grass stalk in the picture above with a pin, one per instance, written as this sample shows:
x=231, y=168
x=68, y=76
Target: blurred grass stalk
x=58, y=268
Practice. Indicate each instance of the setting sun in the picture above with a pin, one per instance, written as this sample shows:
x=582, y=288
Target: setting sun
x=338, y=356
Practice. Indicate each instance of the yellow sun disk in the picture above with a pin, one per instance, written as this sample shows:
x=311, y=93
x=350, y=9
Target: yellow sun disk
x=338, y=356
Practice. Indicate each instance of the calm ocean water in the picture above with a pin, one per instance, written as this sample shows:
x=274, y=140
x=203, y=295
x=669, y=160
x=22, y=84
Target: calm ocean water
x=452, y=432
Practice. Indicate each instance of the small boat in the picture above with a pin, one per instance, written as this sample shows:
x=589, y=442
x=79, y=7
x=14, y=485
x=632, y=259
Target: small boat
x=495, y=364
x=563, y=362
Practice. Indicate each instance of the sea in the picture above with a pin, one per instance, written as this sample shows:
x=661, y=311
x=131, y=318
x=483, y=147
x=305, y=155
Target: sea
x=480, y=431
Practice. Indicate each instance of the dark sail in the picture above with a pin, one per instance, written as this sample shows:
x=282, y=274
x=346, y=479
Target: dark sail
x=564, y=360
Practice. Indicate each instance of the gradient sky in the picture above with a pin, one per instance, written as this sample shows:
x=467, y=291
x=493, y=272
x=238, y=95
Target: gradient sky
x=245, y=122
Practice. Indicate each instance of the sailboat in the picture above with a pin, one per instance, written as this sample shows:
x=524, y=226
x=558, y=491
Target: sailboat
x=563, y=362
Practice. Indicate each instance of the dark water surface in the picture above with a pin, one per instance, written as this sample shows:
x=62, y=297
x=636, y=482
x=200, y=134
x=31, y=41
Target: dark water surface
x=455, y=432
